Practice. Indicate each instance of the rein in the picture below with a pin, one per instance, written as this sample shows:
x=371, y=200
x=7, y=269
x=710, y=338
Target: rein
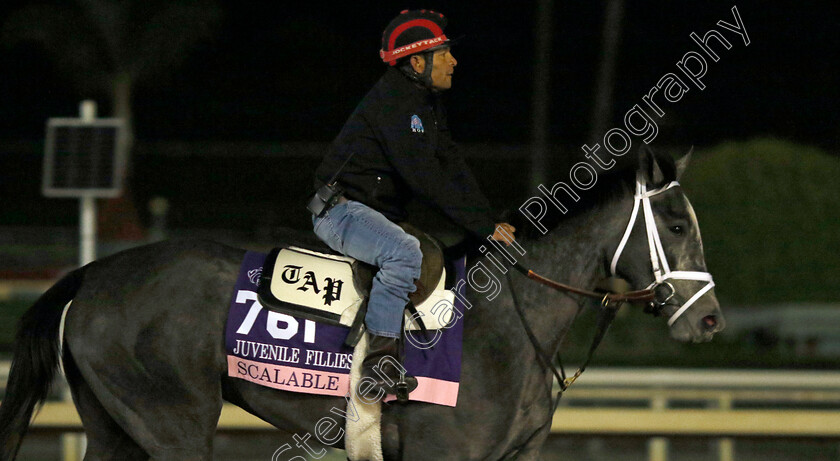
x=604, y=297
x=611, y=302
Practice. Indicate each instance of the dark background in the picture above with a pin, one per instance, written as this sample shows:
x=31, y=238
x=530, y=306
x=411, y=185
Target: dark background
x=240, y=118
x=279, y=72
x=230, y=130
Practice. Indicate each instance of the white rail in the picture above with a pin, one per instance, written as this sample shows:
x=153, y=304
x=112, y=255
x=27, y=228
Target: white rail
x=718, y=390
x=709, y=379
x=638, y=402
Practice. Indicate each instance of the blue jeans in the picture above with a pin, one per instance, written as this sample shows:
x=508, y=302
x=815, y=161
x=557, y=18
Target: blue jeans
x=356, y=230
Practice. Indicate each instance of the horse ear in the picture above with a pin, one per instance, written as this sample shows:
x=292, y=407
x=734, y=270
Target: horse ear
x=649, y=166
x=682, y=163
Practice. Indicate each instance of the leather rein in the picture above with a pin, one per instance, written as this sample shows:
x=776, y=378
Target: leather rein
x=605, y=297
x=610, y=303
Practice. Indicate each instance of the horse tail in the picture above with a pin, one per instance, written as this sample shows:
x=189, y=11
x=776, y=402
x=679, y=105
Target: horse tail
x=34, y=362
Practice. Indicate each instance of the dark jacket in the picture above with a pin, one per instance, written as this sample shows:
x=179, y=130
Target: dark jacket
x=403, y=150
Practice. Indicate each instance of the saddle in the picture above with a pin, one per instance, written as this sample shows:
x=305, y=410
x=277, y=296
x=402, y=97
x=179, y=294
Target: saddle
x=321, y=285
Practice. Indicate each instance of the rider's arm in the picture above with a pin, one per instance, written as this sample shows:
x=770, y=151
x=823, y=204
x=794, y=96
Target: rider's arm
x=412, y=154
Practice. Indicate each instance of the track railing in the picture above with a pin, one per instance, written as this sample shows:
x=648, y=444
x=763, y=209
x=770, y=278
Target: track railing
x=653, y=403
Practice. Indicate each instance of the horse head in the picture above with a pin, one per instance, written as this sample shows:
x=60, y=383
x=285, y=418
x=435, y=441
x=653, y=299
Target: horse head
x=661, y=249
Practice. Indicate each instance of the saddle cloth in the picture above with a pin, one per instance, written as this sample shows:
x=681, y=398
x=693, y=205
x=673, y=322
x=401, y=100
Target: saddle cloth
x=331, y=289
x=294, y=353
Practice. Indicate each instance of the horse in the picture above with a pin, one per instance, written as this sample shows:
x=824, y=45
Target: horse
x=143, y=348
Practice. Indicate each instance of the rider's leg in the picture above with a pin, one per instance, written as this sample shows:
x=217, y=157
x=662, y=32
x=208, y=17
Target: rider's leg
x=360, y=232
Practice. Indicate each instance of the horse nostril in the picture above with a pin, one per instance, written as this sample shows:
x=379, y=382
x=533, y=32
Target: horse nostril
x=710, y=321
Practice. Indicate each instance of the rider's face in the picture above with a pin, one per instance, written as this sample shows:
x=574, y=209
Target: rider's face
x=443, y=65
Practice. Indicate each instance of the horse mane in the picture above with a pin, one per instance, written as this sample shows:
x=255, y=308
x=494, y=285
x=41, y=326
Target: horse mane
x=611, y=185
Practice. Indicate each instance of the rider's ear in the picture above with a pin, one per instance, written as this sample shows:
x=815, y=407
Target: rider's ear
x=418, y=63
x=682, y=163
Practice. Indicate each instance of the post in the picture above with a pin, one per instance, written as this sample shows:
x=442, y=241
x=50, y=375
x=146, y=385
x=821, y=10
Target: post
x=602, y=108
x=87, y=230
x=158, y=207
x=87, y=204
x=74, y=445
x=540, y=99
x=725, y=445
x=658, y=446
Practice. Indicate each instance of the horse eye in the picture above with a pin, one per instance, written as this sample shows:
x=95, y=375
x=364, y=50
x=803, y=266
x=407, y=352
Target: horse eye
x=676, y=230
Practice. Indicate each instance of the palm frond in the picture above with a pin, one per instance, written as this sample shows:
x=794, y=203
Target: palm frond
x=165, y=39
x=65, y=35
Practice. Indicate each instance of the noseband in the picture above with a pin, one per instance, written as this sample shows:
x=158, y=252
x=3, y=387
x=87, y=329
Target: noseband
x=661, y=271
x=610, y=302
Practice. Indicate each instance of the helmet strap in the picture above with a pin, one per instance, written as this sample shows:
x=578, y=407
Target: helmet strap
x=424, y=79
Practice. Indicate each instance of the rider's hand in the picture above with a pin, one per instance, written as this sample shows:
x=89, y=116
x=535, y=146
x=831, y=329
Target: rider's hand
x=504, y=231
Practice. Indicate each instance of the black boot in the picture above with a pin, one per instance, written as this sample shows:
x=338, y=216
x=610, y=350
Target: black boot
x=382, y=364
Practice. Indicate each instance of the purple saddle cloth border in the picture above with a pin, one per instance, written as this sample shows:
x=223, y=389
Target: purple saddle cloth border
x=442, y=362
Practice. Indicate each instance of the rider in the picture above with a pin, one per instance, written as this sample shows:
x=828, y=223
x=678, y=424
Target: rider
x=394, y=147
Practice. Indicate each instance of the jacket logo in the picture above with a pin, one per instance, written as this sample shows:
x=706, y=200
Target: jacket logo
x=416, y=124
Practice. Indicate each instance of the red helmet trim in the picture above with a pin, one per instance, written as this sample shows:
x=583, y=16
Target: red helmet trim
x=420, y=45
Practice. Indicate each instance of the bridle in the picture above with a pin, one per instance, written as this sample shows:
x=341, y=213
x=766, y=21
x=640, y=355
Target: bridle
x=611, y=302
x=661, y=270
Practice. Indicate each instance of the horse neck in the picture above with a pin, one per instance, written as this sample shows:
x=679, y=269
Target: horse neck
x=573, y=253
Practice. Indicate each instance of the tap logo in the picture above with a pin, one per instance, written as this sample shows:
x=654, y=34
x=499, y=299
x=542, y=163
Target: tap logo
x=331, y=287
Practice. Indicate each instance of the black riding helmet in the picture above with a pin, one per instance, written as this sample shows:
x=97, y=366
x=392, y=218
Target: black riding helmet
x=413, y=32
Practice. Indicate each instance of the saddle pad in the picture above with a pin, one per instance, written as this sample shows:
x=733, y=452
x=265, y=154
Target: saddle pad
x=280, y=351
x=320, y=287
x=316, y=285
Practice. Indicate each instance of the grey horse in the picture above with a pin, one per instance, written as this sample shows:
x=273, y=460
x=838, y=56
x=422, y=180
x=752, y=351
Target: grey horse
x=145, y=358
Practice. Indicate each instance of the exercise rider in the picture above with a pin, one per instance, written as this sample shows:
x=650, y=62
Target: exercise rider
x=394, y=147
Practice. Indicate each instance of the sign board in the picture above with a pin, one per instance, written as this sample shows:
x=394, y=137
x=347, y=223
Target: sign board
x=84, y=158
